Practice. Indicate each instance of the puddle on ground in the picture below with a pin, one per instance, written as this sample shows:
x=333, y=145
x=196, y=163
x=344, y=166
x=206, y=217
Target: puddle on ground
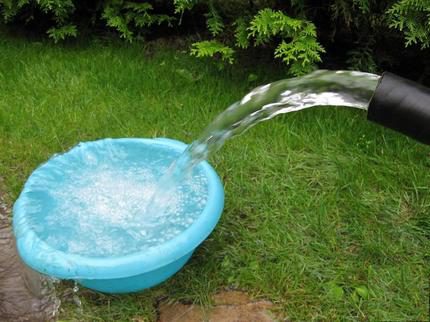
x=22, y=295
x=228, y=306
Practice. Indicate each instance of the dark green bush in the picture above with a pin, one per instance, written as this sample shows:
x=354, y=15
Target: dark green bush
x=367, y=35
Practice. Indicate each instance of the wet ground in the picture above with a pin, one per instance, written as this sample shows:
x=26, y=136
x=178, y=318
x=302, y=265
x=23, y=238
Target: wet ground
x=22, y=296
x=17, y=302
x=228, y=306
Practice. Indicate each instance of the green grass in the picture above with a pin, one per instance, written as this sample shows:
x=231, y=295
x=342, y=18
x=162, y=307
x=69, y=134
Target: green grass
x=326, y=214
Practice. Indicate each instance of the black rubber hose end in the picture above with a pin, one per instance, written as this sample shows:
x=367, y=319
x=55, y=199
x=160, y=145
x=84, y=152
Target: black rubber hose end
x=402, y=105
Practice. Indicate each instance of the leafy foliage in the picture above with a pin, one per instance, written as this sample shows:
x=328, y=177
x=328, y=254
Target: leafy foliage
x=241, y=33
x=214, y=22
x=370, y=33
x=301, y=52
x=211, y=48
x=62, y=32
x=412, y=17
x=299, y=48
x=59, y=9
x=124, y=15
x=182, y=5
x=362, y=59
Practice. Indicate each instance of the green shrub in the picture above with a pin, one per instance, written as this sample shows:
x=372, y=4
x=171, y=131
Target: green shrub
x=381, y=29
x=412, y=18
x=298, y=46
x=361, y=34
x=124, y=16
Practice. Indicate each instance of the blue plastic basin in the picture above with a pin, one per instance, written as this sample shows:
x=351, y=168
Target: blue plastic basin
x=112, y=274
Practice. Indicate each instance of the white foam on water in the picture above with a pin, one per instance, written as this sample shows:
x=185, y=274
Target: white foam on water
x=103, y=210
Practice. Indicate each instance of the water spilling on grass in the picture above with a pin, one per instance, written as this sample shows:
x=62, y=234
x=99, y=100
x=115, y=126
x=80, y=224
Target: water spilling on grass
x=320, y=88
x=25, y=295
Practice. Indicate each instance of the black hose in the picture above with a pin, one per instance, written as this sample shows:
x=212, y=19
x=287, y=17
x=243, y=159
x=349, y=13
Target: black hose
x=402, y=105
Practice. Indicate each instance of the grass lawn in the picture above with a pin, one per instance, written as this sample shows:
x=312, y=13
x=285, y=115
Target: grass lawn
x=326, y=214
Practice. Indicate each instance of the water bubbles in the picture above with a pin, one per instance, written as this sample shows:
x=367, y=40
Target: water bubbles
x=104, y=209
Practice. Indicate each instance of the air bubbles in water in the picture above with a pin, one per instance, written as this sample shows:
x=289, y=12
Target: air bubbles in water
x=102, y=210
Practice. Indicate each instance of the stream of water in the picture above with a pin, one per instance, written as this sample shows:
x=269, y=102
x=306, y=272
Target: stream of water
x=320, y=88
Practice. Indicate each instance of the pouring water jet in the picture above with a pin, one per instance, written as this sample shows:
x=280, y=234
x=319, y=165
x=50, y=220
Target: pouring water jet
x=390, y=101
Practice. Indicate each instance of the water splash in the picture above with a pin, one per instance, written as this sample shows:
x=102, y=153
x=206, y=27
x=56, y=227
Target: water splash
x=25, y=295
x=97, y=207
x=76, y=298
x=320, y=88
